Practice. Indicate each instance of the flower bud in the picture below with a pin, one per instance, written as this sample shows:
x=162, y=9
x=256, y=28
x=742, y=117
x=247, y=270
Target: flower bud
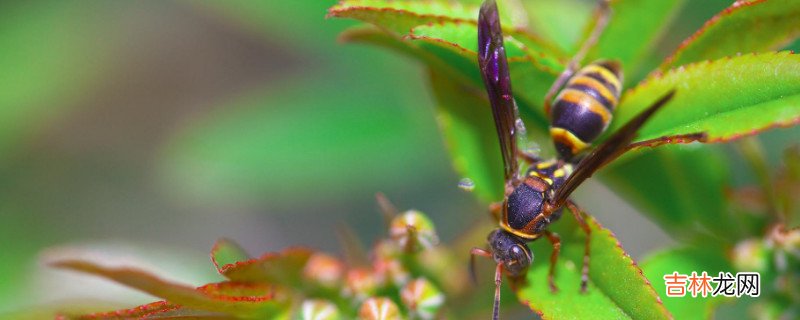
x=413, y=231
x=324, y=269
x=360, y=283
x=319, y=310
x=379, y=309
x=751, y=255
x=422, y=299
x=386, y=262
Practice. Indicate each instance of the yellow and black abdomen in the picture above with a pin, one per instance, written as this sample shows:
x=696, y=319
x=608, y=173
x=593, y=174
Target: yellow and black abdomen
x=583, y=109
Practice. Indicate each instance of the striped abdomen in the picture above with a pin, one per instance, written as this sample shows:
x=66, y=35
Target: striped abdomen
x=583, y=109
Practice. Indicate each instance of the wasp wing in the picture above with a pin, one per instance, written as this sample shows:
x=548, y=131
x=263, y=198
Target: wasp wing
x=496, y=79
x=612, y=148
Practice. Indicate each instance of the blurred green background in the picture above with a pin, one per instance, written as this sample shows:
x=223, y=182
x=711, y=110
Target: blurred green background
x=145, y=130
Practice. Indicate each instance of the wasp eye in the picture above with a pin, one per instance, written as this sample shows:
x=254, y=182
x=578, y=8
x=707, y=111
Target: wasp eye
x=519, y=259
x=520, y=254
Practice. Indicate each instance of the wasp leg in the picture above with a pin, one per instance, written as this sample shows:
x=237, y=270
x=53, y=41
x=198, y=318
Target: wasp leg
x=498, y=278
x=528, y=157
x=511, y=185
x=476, y=252
x=603, y=14
x=496, y=209
x=578, y=213
x=556, y=86
x=556, y=241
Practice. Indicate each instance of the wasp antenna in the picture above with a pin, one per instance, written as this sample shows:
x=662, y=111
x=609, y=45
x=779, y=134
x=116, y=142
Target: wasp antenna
x=473, y=275
x=498, y=278
x=472, y=253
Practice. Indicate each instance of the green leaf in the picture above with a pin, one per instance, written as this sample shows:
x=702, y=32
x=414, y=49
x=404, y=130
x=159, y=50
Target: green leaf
x=617, y=288
x=726, y=98
x=533, y=65
x=746, y=26
x=531, y=72
x=520, y=46
x=789, y=186
x=466, y=123
x=159, y=309
x=464, y=113
x=707, y=258
x=680, y=187
x=547, y=18
x=513, y=13
x=455, y=44
x=243, y=300
x=177, y=313
x=632, y=32
x=451, y=43
x=284, y=268
x=402, y=15
x=226, y=252
x=687, y=210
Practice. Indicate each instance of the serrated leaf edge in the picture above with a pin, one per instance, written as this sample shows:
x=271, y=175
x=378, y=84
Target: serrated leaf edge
x=141, y=311
x=633, y=265
x=677, y=139
x=599, y=228
x=339, y=10
x=472, y=54
x=264, y=257
x=216, y=247
x=732, y=9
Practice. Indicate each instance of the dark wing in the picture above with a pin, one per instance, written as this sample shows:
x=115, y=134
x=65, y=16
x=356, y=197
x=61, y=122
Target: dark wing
x=494, y=70
x=615, y=146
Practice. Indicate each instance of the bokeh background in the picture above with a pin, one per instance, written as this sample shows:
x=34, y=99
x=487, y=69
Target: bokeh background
x=142, y=131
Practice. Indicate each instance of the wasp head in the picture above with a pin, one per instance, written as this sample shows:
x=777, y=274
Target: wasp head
x=511, y=251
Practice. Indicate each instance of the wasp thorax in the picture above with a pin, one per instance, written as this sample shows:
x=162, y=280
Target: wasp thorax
x=511, y=251
x=525, y=203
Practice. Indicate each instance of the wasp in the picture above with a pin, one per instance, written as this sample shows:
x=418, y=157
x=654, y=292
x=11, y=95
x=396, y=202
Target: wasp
x=579, y=114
